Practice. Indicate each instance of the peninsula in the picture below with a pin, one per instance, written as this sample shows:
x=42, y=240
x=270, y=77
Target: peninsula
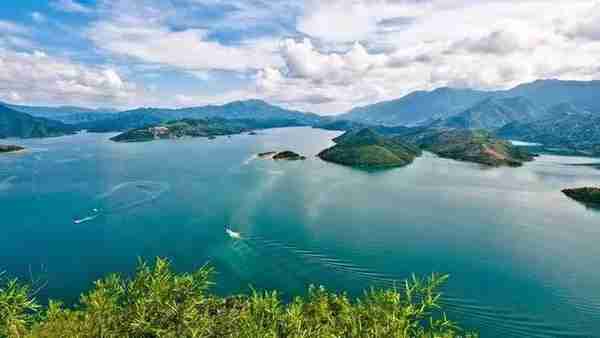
x=470, y=145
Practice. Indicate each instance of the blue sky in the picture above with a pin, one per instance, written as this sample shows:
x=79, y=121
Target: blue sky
x=321, y=56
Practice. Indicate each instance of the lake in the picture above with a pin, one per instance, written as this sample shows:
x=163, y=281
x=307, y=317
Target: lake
x=523, y=259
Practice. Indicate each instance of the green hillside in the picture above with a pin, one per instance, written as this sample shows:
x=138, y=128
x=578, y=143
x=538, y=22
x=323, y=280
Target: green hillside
x=18, y=124
x=367, y=149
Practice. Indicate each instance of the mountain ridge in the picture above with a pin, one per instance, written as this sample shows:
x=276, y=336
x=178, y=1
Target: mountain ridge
x=444, y=102
x=17, y=124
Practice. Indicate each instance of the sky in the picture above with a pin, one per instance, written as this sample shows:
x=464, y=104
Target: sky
x=323, y=56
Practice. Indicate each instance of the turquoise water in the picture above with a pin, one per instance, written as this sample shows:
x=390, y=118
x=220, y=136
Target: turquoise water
x=523, y=258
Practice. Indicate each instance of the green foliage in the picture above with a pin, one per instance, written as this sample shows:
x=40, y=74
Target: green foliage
x=366, y=148
x=16, y=308
x=586, y=195
x=157, y=302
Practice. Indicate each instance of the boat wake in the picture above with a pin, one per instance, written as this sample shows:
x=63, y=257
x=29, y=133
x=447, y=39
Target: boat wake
x=124, y=197
x=85, y=219
x=272, y=248
x=233, y=234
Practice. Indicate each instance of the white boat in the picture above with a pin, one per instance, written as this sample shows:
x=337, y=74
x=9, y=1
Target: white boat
x=233, y=234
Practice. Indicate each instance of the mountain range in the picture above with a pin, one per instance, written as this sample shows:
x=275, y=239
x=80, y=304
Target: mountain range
x=565, y=127
x=17, y=124
x=423, y=107
x=65, y=114
x=493, y=113
x=561, y=114
x=237, y=110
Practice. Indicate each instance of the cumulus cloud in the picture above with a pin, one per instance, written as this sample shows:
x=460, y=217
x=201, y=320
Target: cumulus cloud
x=322, y=56
x=37, y=77
x=407, y=45
x=304, y=61
x=584, y=27
x=497, y=42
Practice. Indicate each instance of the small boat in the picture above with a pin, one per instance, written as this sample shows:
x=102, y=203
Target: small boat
x=233, y=234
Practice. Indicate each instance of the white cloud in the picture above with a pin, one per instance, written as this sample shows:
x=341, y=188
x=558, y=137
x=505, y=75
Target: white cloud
x=585, y=26
x=320, y=55
x=188, y=50
x=304, y=61
x=71, y=6
x=497, y=42
x=487, y=44
x=8, y=27
x=37, y=77
x=38, y=17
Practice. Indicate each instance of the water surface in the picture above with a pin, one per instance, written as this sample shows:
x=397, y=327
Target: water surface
x=523, y=258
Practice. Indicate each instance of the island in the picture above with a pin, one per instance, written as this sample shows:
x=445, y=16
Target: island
x=10, y=148
x=209, y=128
x=368, y=149
x=385, y=147
x=288, y=155
x=586, y=195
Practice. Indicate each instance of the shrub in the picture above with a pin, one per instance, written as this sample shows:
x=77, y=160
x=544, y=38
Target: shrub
x=157, y=302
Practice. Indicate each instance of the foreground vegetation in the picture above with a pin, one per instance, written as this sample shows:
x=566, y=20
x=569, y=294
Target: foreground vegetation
x=157, y=302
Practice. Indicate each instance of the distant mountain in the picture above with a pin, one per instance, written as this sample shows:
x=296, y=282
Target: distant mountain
x=250, y=109
x=548, y=93
x=17, y=124
x=442, y=103
x=131, y=119
x=565, y=126
x=367, y=149
x=493, y=113
x=65, y=114
x=417, y=107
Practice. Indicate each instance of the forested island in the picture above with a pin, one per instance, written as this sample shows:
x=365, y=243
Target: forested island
x=394, y=147
x=209, y=128
x=586, y=195
x=182, y=128
x=158, y=302
x=368, y=149
x=10, y=148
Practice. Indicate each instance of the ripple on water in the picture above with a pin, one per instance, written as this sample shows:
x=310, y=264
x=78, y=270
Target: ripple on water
x=124, y=197
x=505, y=321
